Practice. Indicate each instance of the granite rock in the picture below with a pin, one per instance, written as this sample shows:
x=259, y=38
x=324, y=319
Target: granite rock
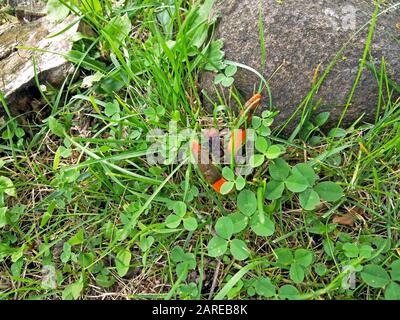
x=298, y=37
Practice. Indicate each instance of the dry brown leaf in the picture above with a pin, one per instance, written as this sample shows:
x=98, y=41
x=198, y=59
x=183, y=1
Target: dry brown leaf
x=357, y=211
x=346, y=220
x=350, y=217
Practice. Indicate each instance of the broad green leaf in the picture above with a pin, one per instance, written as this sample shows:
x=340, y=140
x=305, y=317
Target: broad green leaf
x=240, y=183
x=284, y=256
x=264, y=131
x=274, y=190
x=18, y=253
x=160, y=110
x=239, y=249
x=395, y=272
x=288, y=292
x=7, y=186
x=182, y=269
x=365, y=251
x=273, y=152
x=173, y=221
x=73, y=290
x=227, y=187
x=190, y=259
x=296, y=273
x=111, y=109
x=145, y=243
x=199, y=32
x=122, y=261
x=56, y=11
x=321, y=119
x=227, y=82
x=217, y=247
x=177, y=254
x=66, y=254
x=56, y=127
x=224, y=227
x=309, y=199
x=251, y=291
x=261, y=144
x=392, y=291
x=239, y=221
x=351, y=250
x=267, y=122
x=88, y=81
x=305, y=171
x=192, y=192
x=228, y=174
x=267, y=114
x=164, y=16
x=118, y=28
x=16, y=212
x=256, y=160
x=218, y=78
x=179, y=207
x=3, y=217
x=320, y=269
x=265, y=229
x=215, y=56
x=247, y=202
x=16, y=267
x=279, y=169
x=296, y=183
x=375, y=276
x=230, y=70
x=337, y=133
x=151, y=113
x=65, y=152
x=303, y=257
x=86, y=260
x=190, y=223
x=189, y=290
x=264, y=287
x=105, y=281
x=77, y=239
x=256, y=122
x=329, y=191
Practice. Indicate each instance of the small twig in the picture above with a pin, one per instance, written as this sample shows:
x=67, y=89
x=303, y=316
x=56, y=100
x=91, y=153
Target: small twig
x=214, y=283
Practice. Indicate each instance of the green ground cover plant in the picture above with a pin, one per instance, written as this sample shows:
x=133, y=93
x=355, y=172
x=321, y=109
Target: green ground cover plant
x=84, y=214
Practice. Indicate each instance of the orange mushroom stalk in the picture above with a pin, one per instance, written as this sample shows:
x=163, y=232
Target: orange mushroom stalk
x=211, y=173
x=238, y=136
